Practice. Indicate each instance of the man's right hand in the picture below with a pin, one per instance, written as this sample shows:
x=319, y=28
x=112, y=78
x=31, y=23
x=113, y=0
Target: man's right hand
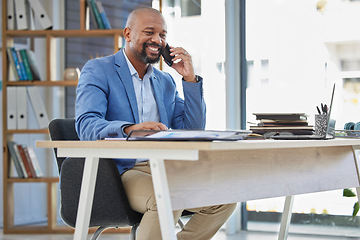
x=145, y=126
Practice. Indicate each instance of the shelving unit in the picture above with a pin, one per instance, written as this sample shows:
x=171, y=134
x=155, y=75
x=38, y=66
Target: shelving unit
x=8, y=37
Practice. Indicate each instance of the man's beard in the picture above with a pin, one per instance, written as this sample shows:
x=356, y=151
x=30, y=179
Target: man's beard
x=145, y=58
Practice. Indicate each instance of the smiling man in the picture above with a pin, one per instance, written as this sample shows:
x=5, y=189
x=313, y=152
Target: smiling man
x=123, y=92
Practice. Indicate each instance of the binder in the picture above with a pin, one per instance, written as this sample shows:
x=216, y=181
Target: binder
x=38, y=107
x=103, y=16
x=40, y=14
x=10, y=15
x=21, y=15
x=11, y=108
x=21, y=108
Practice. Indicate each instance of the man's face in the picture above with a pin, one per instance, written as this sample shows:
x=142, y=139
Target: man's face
x=148, y=36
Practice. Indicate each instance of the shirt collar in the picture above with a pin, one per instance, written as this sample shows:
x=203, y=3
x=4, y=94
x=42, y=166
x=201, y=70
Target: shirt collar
x=133, y=71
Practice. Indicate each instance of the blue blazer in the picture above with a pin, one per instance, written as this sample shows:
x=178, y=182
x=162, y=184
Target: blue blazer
x=106, y=101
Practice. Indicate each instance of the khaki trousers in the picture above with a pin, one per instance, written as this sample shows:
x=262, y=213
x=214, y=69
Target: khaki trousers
x=203, y=225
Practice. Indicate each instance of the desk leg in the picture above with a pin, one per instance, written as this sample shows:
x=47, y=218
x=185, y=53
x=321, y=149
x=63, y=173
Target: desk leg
x=162, y=195
x=357, y=162
x=86, y=198
x=286, y=217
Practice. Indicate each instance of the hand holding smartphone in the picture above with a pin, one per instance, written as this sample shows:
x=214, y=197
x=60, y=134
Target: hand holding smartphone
x=166, y=55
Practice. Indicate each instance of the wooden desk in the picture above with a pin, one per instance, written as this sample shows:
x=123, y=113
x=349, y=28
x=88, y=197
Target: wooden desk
x=207, y=173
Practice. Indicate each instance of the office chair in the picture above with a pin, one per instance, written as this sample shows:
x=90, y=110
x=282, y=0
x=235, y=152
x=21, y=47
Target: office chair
x=110, y=206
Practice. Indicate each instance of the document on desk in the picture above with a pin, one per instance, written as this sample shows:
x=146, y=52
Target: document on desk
x=187, y=135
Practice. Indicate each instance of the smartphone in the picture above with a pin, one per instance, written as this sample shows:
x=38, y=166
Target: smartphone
x=166, y=55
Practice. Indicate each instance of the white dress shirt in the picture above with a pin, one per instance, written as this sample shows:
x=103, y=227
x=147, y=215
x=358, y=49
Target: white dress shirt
x=147, y=107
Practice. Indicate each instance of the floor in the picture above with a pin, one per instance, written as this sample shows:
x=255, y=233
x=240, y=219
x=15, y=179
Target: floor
x=221, y=235
x=257, y=231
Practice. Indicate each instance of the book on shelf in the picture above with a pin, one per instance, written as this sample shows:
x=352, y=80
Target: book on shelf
x=31, y=162
x=24, y=160
x=15, y=159
x=22, y=65
x=16, y=63
x=103, y=15
x=35, y=162
x=13, y=73
x=90, y=12
x=25, y=60
x=95, y=11
x=32, y=64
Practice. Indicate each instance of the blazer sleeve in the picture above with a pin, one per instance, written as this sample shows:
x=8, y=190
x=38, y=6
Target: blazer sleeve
x=92, y=103
x=190, y=113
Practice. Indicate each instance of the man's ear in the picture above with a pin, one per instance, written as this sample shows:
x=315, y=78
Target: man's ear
x=127, y=33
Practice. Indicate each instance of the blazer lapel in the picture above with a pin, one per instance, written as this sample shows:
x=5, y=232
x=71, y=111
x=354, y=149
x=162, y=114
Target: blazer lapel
x=124, y=75
x=158, y=92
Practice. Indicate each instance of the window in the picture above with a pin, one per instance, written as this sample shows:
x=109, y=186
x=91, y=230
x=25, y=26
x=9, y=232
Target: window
x=296, y=50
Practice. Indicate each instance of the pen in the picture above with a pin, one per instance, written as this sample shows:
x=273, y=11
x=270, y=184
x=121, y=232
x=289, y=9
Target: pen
x=325, y=109
x=318, y=110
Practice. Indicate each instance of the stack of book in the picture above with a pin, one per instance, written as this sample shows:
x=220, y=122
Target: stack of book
x=295, y=123
x=25, y=161
x=98, y=15
x=22, y=65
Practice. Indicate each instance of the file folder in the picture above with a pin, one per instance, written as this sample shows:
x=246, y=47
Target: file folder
x=21, y=108
x=10, y=15
x=21, y=15
x=38, y=107
x=40, y=14
x=11, y=108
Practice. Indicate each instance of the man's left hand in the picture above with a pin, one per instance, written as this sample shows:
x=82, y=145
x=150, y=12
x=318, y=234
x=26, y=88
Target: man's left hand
x=183, y=63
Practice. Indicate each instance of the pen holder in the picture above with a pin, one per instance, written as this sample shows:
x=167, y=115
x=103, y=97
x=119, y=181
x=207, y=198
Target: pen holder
x=321, y=122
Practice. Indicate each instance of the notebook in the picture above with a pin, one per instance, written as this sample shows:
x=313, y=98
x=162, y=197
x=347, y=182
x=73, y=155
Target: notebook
x=330, y=130
x=187, y=135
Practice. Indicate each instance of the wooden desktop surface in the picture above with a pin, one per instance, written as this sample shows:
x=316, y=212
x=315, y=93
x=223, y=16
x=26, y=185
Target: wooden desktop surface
x=196, y=174
x=234, y=172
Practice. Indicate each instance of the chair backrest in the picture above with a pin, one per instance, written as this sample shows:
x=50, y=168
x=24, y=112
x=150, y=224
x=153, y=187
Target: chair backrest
x=110, y=205
x=62, y=130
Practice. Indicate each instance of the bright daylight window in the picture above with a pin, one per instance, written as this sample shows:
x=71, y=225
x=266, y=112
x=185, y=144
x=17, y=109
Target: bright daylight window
x=296, y=50
x=199, y=27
